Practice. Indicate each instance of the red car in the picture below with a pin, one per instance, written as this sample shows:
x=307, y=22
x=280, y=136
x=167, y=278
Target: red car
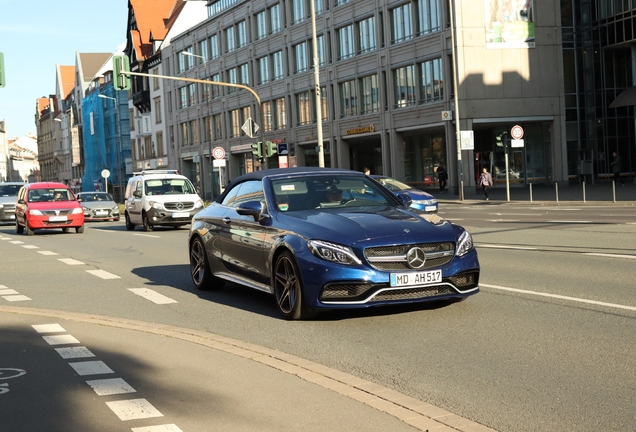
x=47, y=205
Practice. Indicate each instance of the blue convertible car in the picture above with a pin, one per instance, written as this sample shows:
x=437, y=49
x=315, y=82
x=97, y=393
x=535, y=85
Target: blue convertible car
x=309, y=237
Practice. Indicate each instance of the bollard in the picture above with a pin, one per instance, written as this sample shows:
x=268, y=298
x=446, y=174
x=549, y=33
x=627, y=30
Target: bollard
x=556, y=191
x=583, y=191
x=461, y=190
x=614, y=192
x=530, y=192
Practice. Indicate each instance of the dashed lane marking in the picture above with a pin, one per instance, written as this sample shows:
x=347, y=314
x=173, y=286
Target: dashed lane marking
x=15, y=298
x=70, y=261
x=159, y=428
x=147, y=235
x=47, y=253
x=112, y=386
x=48, y=328
x=74, y=352
x=103, y=274
x=611, y=255
x=96, y=367
x=153, y=296
x=60, y=339
x=133, y=409
x=7, y=291
x=16, y=242
x=31, y=247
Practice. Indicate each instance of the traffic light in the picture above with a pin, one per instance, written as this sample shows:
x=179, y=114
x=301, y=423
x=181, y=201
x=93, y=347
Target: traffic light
x=270, y=149
x=2, y=79
x=121, y=81
x=257, y=150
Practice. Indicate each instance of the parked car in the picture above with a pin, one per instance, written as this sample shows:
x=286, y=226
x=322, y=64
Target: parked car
x=8, y=196
x=308, y=237
x=98, y=206
x=422, y=201
x=160, y=198
x=47, y=205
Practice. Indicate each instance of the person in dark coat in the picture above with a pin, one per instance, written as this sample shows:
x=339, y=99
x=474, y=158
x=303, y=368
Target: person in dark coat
x=616, y=168
x=442, y=177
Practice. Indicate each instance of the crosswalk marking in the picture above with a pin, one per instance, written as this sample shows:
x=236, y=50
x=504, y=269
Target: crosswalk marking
x=91, y=368
x=48, y=328
x=158, y=428
x=103, y=274
x=74, y=352
x=112, y=386
x=133, y=409
x=60, y=339
x=153, y=296
x=15, y=298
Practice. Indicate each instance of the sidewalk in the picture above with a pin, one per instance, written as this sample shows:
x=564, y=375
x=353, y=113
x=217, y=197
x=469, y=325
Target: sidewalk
x=601, y=192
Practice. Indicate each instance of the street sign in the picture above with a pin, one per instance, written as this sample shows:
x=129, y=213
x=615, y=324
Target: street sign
x=218, y=163
x=467, y=140
x=105, y=173
x=250, y=127
x=516, y=132
x=516, y=143
x=218, y=153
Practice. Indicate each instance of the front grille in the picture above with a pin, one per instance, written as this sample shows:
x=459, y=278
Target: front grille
x=349, y=292
x=56, y=212
x=465, y=281
x=413, y=293
x=9, y=207
x=179, y=206
x=395, y=256
x=103, y=213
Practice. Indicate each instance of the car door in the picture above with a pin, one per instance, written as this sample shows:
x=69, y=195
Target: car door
x=134, y=203
x=243, y=237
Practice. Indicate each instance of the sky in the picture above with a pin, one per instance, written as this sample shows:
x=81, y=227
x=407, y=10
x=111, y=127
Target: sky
x=36, y=35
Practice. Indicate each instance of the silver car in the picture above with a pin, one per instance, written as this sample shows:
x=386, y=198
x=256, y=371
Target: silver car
x=8, y=197
x=98, y=206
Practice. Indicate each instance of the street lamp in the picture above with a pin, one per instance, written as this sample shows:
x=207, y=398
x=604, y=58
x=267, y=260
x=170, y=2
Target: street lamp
x=117, y=141
x=321, y=152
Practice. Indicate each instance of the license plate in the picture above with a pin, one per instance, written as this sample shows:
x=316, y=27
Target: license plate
x=57, y=218
x=101, y=212
x=180, y=215
x=12, y=217
x=418, y=278
x=430, y=208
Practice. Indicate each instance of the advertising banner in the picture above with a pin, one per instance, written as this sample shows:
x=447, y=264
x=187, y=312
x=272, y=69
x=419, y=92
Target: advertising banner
x=509, y=24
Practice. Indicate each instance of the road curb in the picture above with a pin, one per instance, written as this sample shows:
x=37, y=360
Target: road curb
x=420, y=415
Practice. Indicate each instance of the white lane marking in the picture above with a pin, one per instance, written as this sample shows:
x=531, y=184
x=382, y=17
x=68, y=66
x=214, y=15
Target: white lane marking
x=560, y=297
x=113, y=386
x=16, y=242
x=70, y=261
x=502, y=220
x=147, y=235
x=153, y=296
x=133, y=409
x=158, y=428
x=505, y=247
x=103, y=274
x=48, y=328
x=569, y=222
x=557, y=209
x=513, y=214
x=611, y=255
x=7, y=291
x=4, y=238
x=3, y=286
x=74, y=352
x=31, y=247
x=47, y=253
x=60, y=340
x=453, y=219
x=15, y=298
x=91, y=368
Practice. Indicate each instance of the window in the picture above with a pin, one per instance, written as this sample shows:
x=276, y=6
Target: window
x=157, y=103
x=404, y=86
x=231, y=78
x=217, y=126
x=300, y=56
x=366, y=35
x=261, y=25
x=370, y=94
x=155, y=80
x=274, y=19
x=230, y=44
x=318, y=6
x=432, y=81
x=322, y=56
x=216, y=89
x=206, y=91
x=183, y=97
x=159, y=142
x=277, y=59
x=340, y=2
x=235, y=115
x=192, y=94
x=182, y=63
x=248, y=191
x=267, y=116
x=346, y=47
x=299, y=11
x=324, y=107
x=348, y=99
x=214, y=46
x=204, y=51
x=303, y=108
x=244, y=72
x=207, y=129
x=428, y=16
x=401, y=26
x=186, y=60
x=263, y=70
x=241, y=31
x=281, y=116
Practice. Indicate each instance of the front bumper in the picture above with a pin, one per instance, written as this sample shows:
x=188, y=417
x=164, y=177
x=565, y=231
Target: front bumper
x=7, y=214
x=171, y=218
x=100, y=215
x=44, y=222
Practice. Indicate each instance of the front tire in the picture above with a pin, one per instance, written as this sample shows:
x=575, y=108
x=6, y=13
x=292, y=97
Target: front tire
x=288, y=288
x=19, y=229
x=129, y=225
x=200, y=267
x=80, y=229
x=147, y=226
x=27, y=228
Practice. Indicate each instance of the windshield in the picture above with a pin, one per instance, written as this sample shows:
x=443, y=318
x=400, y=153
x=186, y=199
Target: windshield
x=174, y=186
x=53, y=194
x=393, y=185
x=96, y=196
x=328, y=191
x=9, y=190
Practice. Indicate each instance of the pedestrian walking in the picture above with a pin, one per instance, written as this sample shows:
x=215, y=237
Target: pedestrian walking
x=616, y=168
x=485, y=181
x=442, y=177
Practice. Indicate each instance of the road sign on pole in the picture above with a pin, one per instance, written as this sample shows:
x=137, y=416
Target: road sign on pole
x=250, y=127
x=218, y=153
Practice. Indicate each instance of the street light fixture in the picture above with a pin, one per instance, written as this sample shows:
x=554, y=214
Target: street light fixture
x=117, y=141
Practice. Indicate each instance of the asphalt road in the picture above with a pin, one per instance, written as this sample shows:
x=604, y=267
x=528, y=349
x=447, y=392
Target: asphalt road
x=547, y=344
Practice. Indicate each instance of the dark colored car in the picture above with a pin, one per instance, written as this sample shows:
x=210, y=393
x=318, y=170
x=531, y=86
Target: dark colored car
x=98, y=206
x=47, y=205
x=420, y=200
x=307, y=236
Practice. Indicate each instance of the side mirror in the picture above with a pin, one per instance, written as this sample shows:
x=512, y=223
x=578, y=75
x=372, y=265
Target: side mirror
x=405, y=199
x=20, y=201
x=137, y=194
x=250, y=208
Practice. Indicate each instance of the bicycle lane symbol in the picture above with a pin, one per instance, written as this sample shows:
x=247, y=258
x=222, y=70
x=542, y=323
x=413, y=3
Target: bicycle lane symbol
x=8, y=373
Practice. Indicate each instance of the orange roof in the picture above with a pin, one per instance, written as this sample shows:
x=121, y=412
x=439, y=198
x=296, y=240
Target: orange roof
x=152, y=17
x=43, y=103
x=68, y=80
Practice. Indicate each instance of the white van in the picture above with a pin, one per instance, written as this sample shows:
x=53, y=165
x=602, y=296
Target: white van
x=160, y=198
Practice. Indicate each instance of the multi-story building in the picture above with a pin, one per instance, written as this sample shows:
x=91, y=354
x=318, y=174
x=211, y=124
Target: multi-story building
x=47, y=131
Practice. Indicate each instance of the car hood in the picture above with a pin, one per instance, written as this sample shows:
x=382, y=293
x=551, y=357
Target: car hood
x=98, y=204
x=54, y=205
x=8, y=199
x=417, y=194
x=367, y=225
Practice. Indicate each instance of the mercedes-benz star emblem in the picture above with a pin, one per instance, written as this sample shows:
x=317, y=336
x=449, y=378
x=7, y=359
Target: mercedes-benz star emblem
x=179, y=206
x=416, y=257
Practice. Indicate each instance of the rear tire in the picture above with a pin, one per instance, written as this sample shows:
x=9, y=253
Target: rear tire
x=200, y=267
x=288, y=288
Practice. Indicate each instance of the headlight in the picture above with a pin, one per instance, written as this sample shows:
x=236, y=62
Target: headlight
x=116, y=209
x=35, y=212
x=425, y=202
x=333, y=252
x=85, y=209
x=464, y=244
x=77, y=210
x=155, y=204
x=198, y=204
x=1, y=206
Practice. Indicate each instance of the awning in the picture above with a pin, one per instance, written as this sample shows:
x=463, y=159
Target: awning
x=626, y=98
